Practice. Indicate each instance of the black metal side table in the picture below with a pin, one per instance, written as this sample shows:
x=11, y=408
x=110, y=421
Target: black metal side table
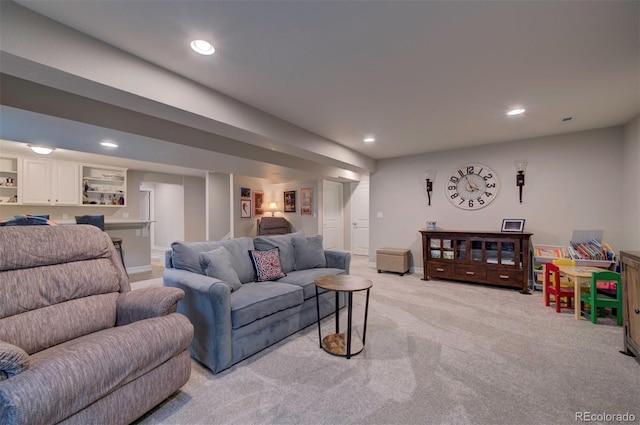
x=336, y=343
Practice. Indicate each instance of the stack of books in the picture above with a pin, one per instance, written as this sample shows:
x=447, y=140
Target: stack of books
x=592, y=250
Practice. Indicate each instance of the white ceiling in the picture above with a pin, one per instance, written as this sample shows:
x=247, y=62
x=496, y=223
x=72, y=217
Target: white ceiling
x=420, y=76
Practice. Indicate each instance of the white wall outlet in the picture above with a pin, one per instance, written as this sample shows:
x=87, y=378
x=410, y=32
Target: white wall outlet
x=137, y=232
x=65, y=216
x=125, y=215
x=379, y=214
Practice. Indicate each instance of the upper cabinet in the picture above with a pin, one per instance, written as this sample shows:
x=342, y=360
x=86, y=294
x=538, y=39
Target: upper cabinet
x=47, y=182
x=40, y=181
x=104, y=186
x=10, y=168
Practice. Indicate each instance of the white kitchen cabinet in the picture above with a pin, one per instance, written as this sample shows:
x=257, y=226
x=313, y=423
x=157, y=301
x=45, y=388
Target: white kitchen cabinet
x=47, y=182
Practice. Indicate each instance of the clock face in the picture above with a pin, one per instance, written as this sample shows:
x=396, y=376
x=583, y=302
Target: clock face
x=472, y=186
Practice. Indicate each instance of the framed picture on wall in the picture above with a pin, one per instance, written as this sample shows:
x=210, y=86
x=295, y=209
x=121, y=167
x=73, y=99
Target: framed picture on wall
x=258, y=198
x=245, y=192
x=245, y=208
x=290, y=201
x=306, y=201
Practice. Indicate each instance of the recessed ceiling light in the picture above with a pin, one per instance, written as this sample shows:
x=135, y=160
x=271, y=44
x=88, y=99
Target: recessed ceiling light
x=109, y=144
x=42, y=150
x=203, y=47
x=369, y=139
x=516, y=111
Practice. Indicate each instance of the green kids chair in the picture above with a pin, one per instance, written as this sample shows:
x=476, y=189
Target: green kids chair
x=598, y=302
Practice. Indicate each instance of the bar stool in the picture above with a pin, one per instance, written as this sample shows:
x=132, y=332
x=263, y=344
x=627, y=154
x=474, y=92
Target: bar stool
x=98, y=221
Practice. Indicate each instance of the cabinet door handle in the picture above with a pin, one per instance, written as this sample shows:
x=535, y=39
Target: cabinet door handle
x=439, y=270
x=502, y=276
x=470, y=273
x=637, y=310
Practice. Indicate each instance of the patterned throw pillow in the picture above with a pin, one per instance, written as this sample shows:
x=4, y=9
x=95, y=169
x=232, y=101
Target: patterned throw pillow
x=267, y=264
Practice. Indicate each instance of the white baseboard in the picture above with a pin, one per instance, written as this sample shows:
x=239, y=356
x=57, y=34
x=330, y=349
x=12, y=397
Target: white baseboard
x=139, y=269
x=412, y=270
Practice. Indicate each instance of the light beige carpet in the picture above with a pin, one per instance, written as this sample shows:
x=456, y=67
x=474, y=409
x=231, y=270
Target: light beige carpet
x=436, y=353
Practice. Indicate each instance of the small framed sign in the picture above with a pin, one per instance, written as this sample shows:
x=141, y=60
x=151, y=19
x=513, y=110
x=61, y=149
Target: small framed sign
x=513, y=225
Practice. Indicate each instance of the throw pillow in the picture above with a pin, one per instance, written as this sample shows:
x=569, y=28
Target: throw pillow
x=13, y=360
x=267, y=264
x=217, y=264
x=308, y=252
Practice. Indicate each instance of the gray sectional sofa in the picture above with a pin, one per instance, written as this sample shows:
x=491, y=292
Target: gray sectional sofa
x=236, y=316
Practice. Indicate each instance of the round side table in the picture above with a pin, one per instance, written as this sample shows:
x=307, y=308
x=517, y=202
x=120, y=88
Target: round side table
x=335, y=343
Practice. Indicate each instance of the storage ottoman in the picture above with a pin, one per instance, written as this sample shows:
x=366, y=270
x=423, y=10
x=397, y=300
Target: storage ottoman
x=392, y=260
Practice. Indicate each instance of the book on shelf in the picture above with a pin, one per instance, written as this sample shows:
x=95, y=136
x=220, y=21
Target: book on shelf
x=592, y=250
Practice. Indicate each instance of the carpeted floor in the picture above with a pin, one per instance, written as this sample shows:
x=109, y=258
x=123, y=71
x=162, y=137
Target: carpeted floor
x=436, y=353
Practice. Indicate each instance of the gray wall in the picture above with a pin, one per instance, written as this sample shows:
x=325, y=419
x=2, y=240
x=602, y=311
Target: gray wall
x=194, y=209
x=573, y=182
x=631, y=186
x=219, y=204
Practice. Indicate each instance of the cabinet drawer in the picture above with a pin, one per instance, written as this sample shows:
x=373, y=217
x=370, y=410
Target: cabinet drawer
x=436, y=270
x=473, y=273
x=505, y=277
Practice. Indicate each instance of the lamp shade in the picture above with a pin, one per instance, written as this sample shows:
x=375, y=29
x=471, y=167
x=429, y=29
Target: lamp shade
x=520, y=165
x=272, y=208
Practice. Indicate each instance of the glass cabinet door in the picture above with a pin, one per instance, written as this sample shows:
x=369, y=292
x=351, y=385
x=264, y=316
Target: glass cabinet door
x=476, y=251
x=435, y=248
x=507, y=253
x=461, y=249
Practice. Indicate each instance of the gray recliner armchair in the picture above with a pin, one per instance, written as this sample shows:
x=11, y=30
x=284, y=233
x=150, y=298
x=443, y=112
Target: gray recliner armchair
x=77, y=346
x=273, y=226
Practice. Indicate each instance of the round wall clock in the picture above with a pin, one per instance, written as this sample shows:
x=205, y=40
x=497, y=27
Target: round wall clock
x=472, y=186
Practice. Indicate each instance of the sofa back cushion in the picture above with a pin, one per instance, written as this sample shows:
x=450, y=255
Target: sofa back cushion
x=217, y=264
x=308, y=252
x=56, y=284
x=186, y=255
x=284, y=244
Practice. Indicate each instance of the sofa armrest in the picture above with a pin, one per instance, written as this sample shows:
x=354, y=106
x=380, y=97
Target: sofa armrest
x=338, y=259
x=145, y=303
x=13, y=360
x=207, y=304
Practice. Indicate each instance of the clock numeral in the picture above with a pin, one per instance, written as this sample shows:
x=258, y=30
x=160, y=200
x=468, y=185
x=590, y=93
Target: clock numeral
x=491, y=185
x=454, y=196
x=451, y=187
x=481, y=201
x=487, y=194
x=488, y=176
x=470, y=169
x=480, y=172
x=470, y=203
x=454, y=179
x=461, y=201
x=461, y=173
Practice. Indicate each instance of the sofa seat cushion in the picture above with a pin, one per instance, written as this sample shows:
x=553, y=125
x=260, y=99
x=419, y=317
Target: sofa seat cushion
x=305, y=278
x=256, y=300
x=81, y=371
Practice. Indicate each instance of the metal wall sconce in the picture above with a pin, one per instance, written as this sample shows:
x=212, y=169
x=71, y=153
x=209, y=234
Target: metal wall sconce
x=430, y=178
x=521, y=167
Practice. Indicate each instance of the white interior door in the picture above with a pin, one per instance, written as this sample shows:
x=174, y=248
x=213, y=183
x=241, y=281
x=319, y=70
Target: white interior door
x=360, y=218
x=332, y=228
